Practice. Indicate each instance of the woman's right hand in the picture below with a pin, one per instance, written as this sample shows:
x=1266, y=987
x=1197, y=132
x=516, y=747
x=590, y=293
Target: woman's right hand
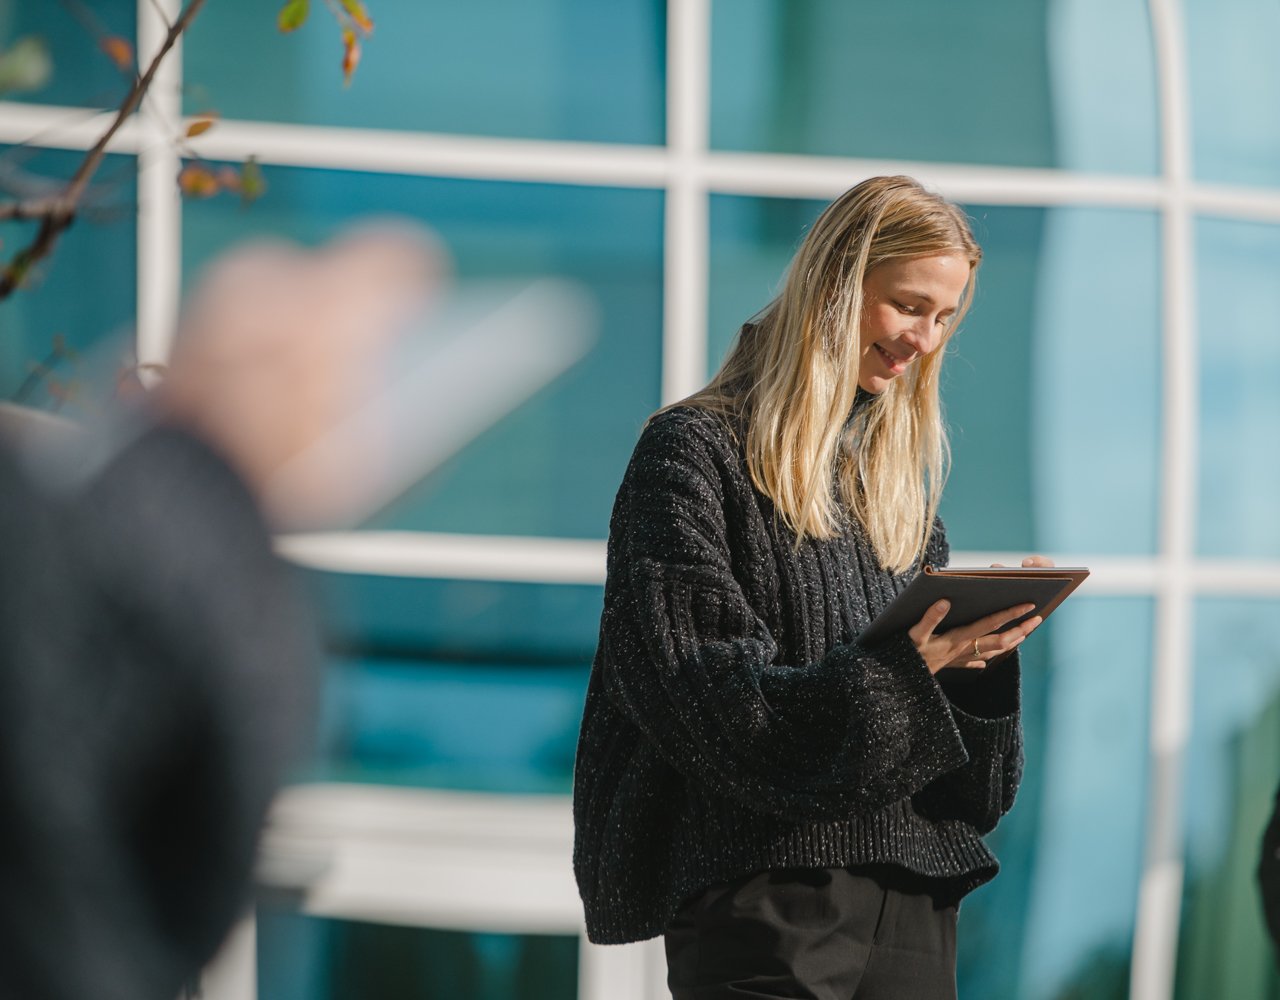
x=972, y=646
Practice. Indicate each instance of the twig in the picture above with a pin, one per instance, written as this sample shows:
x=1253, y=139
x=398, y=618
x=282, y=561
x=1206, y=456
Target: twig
x=58, y=213
x=32, y=208
x=164, y=18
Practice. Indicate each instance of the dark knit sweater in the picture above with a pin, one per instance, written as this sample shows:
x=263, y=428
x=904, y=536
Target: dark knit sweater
x=734, y=725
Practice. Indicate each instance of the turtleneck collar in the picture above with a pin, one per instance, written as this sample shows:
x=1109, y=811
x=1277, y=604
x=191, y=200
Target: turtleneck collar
x=861, y=401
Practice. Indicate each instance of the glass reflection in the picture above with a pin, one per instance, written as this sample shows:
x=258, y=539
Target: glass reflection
x=465, y=684
x=1051, y=84
x=1056, y=923
x=1239, y=370
x=1234, y=84
x=540, y=69
x=1231, y=774
x=508, y=727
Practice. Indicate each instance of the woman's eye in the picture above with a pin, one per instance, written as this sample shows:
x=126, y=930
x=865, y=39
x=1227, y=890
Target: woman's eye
x=902, y=307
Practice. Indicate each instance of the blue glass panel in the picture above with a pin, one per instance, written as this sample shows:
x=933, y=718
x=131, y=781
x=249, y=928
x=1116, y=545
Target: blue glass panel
x=752, y=241
x=552, y=466
x=1102, y=84
x=454, y=683
x=310, y=958
x=1234, y=83
x=1239, y=365
x=460, y=619
x=1053, y=321
x=1032, y=84
x=1232, y=767
x=483, y=727
x=83, y=75
x=549, y=69
x=84, y=292
x=1095, y=380
x=1057, y=922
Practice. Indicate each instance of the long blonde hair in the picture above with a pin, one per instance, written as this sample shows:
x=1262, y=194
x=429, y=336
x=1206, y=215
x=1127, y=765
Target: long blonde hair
x=791, y=377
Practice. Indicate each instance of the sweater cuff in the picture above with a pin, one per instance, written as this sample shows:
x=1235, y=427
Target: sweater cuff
x=992, y=693
x=982, y=736
x=937, y=738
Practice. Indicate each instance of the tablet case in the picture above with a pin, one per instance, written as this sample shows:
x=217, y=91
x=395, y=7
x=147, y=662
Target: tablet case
x=975, y=593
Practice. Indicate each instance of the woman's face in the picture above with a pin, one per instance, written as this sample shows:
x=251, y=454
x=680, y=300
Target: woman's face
x=906, y=306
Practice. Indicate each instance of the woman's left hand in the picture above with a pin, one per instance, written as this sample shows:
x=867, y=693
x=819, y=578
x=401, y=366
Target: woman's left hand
x=1028, y=563
x=1000, y=653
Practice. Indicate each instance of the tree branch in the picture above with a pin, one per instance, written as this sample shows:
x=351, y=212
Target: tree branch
x=57, y=212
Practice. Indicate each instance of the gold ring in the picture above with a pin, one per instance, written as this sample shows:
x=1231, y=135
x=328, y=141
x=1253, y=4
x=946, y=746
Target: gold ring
x=976, y=651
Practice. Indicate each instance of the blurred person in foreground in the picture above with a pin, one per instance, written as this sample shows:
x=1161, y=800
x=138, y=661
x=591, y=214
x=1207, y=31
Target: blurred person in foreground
x=156, y=666
x=798, y=815
x=1268, y=875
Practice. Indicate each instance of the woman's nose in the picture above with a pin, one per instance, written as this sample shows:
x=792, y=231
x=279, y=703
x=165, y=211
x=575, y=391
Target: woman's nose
x=923, y=335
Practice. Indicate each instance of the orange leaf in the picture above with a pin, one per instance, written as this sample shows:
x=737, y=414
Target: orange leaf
x=350, y=55
x=119, y=51
x=197, y=181
x=359, y=14
x=293, y=14
x=201, y=124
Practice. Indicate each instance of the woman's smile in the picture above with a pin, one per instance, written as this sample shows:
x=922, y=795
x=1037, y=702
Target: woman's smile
x=894, y=363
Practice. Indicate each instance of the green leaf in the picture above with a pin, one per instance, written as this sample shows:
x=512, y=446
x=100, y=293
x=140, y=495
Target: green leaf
x=25, y=65
x=252, y=184
x=293, y=14
x=359, y=15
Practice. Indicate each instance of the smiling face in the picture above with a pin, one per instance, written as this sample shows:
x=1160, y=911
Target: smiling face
x=907, y=305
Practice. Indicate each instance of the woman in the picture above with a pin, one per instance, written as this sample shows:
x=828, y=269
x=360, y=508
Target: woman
x=797, y=814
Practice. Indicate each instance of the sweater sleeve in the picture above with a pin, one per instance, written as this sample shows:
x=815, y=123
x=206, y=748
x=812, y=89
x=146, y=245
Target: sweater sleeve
x=686, y=658
x=986, y=707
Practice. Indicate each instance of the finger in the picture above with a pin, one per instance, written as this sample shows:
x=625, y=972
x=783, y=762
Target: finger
x=1003, y=643
x=999, y=565
x=923, y=629
x=1031, y=561
x=1031, y=624
x=992, y=623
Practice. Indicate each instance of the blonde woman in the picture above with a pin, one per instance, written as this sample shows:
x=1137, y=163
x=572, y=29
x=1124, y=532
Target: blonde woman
x=797, y=814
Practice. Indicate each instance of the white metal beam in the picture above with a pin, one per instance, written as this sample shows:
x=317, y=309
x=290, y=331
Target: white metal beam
x=617, y=165
x=1160, y=891
x=684, y=324
x=159, y=226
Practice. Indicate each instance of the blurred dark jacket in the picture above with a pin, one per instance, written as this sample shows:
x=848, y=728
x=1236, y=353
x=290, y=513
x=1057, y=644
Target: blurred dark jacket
x=156, y=678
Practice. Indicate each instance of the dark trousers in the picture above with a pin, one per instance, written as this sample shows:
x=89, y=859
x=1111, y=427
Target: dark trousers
x=820, y=934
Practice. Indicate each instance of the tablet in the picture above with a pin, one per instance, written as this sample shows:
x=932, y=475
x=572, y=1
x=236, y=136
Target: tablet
x=975, y=593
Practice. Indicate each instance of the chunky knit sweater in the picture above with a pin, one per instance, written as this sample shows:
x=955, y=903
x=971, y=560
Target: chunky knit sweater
x=733, y=724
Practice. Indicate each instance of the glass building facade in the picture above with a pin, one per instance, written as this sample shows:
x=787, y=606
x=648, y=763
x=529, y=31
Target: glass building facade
x=1111, y=399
